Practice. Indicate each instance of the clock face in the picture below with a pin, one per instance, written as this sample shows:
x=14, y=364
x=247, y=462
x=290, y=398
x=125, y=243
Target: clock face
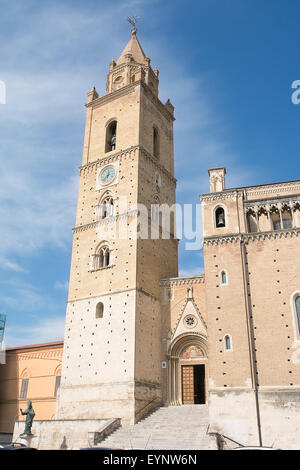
x=108, y=175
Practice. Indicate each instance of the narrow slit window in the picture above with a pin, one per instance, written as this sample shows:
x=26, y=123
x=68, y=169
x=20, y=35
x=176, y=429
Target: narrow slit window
x=227, y=343
x=223, y=277
x=57, y=384
x=24, y=388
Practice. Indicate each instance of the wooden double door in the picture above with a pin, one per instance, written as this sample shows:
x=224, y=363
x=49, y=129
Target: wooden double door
x=193, y=384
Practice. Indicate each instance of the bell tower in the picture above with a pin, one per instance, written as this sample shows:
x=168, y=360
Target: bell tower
x=112, y=348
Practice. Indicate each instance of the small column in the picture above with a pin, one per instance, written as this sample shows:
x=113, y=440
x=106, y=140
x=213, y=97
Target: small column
x=257, y=220
x=268, y=209
x=280, y=215
x=172, y=381
x=292, y=214
x=169, y=365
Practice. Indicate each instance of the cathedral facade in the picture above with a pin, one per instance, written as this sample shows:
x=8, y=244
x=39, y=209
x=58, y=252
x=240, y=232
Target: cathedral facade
x=137, y=336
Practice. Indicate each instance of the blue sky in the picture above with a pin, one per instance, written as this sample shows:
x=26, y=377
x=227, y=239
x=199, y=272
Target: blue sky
x=227, y=66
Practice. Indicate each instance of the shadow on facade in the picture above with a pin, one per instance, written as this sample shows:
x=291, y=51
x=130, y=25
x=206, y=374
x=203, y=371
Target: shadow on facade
x=9, y=392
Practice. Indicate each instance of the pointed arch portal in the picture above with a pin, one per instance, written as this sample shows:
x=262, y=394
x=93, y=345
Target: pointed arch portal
x=187, y=373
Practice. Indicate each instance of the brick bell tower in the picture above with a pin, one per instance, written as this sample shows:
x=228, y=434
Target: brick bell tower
x=112, y=349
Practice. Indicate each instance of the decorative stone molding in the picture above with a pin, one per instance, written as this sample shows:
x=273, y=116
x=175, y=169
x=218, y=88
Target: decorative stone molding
x=253, y=191
x=181, y=315
x=278, y=203
x=83, y=228
x=106, y=221
x=163, y=108
x=113, y=95
x=103, y=268
x=180, y=281
x=223, y=239
x=271, y=188
x=227, y=194
x=130, y=89
x=51, y=355
x=187, y=335
x=273, y=234
x=93, y=166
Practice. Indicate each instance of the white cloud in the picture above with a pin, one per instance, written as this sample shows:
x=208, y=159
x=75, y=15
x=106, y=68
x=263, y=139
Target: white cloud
x=33, y=216
x=45, y=330
x=53, y=54
x=13, y=266
x=196, y=271
x=61, y=285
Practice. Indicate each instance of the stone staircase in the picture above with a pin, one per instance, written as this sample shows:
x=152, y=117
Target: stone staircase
x=171, y=427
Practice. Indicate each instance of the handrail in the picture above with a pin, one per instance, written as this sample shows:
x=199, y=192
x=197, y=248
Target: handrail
x=149, y=403
x=218, y=435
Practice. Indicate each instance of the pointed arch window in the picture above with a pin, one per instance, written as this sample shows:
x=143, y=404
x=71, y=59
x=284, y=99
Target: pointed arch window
x=102, y=257
x=220, y=217
x=111, y=137
x=106, y=208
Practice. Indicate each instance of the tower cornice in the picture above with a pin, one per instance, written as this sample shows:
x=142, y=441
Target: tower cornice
x=128, y=89
x=121, y=154
x=251, y=237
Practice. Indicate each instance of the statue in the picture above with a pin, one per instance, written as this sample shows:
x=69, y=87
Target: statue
x=30, y=414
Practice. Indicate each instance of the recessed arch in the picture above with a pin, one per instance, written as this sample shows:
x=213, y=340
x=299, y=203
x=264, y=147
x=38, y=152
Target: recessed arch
x=295, y=309
x=57, y=371
x=219, y=214
x=106, y=206
x=26, y=373
x=111, y=135
x=99, y=310
x=188, y=339
x=102, y=257
x=227, y=342
x=187, y=354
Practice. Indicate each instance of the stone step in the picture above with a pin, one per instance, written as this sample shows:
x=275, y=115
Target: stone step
x=180, y=427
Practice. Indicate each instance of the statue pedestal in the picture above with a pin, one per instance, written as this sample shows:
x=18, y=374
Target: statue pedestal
x=63, y=434
x=26, y=440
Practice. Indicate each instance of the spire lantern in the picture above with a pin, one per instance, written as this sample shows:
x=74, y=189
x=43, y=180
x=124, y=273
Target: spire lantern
x=132, y=67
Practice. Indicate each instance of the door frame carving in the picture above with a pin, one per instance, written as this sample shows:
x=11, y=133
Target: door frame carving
x=175, y=361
